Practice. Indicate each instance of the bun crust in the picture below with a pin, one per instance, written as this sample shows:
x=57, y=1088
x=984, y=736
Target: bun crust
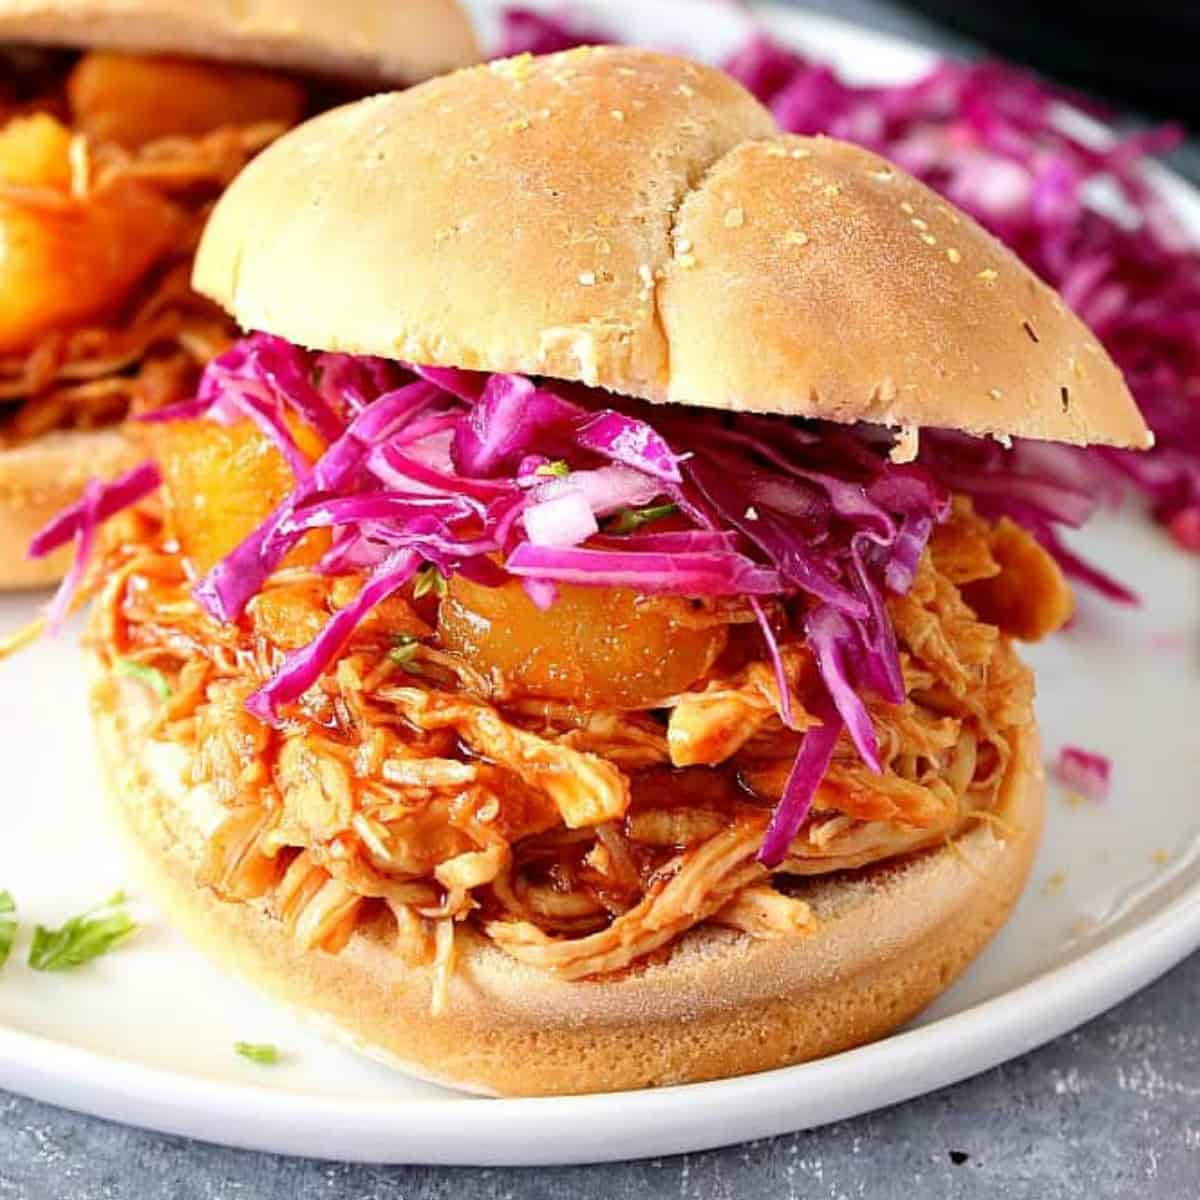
x=506, y=218
x=826, y=276
x=389, y=41
x=37, y=481
x=691, y=254
x=890, y=940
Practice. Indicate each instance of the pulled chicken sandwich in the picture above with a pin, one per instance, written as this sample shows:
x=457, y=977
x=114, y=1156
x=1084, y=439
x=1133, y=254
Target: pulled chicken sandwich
x=569, y=643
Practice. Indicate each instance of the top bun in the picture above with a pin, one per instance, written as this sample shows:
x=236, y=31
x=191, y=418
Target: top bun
x=387, y=41
x=637, y=222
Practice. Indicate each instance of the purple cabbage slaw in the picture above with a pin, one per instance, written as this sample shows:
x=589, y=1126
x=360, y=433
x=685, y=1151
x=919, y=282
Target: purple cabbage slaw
x=446, y=470
x=455, y=469
x=80, y=523
x=992, y=139
x=460, y=472
x=1084, y=772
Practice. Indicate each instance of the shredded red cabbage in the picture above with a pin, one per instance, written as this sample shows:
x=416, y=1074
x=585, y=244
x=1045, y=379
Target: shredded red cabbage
x=634, y=443
x=98, y=502
x=998, y=142
x=816, y=752
x=502, y=477
x=569, y=485
x=85, y=541
x=647, y=571
x=122, y=492
x=527, y=31
x=228, y=587
x=1040, y=486
x=838, y=648
x=304, y=668
x=1185, y=528
x=1084, y=772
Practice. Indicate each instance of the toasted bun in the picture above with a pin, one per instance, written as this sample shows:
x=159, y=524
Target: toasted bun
x=391, y=41
x=37, y=481
x=635, y=221
x=723, y=1004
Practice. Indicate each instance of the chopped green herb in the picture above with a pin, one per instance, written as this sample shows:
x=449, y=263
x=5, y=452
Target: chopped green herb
x=155, y=680
x=630, y=519
x=82, y=938
x=429, y=579
x=403, y=651
x=8, y=925
x=558, y=468
x=262, y=1053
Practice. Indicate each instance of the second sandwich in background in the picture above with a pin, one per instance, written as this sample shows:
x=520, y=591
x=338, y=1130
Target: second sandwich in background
x=120, y=123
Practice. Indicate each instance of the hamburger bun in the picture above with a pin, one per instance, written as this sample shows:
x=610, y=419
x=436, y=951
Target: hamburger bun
x=890, y=940
x=371, y=41
x=692, y=254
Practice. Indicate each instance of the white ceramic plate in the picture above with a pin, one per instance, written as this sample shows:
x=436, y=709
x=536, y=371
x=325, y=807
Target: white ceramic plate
x=145, y=1035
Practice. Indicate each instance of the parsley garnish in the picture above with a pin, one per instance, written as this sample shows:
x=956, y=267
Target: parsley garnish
x=8, y=925
x=558, y=469
x=155, y=680
x=82, y=938
x=262, y=1053
x=429, y=579
x=630, y=519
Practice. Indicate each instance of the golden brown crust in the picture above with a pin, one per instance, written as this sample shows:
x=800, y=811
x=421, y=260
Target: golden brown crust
x=37, y=481
x=828, y=282
x=391, y=41
x=692, y=254
x=462, y=223
x=723, y=1004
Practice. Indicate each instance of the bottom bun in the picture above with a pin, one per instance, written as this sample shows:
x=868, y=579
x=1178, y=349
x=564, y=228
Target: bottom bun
x=890, y=939
x=38, y=479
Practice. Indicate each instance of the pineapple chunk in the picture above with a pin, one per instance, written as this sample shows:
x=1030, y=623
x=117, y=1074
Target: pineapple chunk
x=132, y=99
x=35, y=152
x=222, y=481
x=64, y=262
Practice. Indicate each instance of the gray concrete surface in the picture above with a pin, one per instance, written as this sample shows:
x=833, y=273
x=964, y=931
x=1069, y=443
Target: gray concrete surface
x=1112, y=1110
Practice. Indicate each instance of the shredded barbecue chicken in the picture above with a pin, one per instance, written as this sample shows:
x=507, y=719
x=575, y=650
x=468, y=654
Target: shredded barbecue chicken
x=438, y=778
